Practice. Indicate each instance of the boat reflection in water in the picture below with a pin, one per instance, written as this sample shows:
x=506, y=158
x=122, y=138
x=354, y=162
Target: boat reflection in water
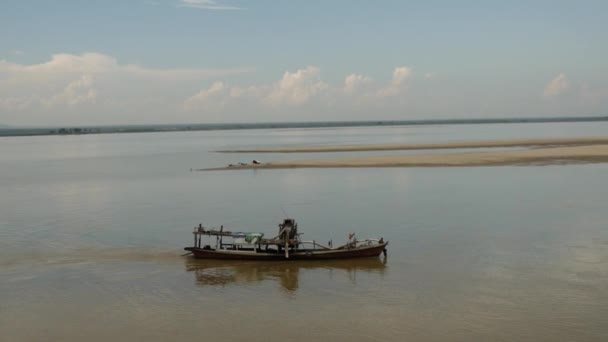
x=229, y=272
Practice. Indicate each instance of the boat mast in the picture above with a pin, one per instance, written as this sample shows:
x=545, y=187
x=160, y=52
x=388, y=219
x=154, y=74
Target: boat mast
x=288, y=234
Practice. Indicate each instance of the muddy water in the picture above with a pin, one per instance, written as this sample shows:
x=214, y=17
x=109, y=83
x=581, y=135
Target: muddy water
x=92, y=230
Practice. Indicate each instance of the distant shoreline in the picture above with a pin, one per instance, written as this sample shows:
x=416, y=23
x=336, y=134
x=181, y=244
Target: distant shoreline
x=7, y=131
x=539, y=152
x=433, y=146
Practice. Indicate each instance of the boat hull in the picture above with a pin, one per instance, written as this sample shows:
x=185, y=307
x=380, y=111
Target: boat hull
x=359, y=252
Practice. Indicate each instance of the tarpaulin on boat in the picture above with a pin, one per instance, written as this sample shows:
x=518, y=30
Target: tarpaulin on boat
x=247, y=237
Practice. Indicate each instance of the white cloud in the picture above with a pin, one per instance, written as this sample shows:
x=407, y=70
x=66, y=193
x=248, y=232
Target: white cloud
x=207, y=5
x=208, y=96
x=296, y=88
x=62, y=65
x=77, y=92
x=354, y=82
x=398, y=82
x=565, y=97
x=94, y=88
x=557, y=86
x=92, y=82
x=400, y=75
x=293, y=89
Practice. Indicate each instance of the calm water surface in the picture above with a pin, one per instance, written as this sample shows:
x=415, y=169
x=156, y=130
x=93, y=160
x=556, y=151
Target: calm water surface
x=92, y=229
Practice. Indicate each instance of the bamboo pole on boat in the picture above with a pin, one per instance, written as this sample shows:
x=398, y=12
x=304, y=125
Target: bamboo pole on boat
x=221, y=236
x=217, y=241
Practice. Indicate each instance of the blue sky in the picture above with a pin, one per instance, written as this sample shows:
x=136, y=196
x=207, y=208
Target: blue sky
x=166, y=61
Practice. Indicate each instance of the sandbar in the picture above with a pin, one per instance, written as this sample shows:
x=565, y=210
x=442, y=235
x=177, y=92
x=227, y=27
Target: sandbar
x=593, y=153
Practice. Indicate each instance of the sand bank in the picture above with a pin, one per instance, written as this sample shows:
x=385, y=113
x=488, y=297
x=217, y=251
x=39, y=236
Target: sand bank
x=442, y=145
x=538, y=156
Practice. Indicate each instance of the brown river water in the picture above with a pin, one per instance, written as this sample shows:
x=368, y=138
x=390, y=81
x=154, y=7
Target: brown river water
x=92, y=230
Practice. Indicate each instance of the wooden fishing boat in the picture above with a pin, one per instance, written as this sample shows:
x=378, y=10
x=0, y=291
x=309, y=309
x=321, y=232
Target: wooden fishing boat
x=287, y=245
